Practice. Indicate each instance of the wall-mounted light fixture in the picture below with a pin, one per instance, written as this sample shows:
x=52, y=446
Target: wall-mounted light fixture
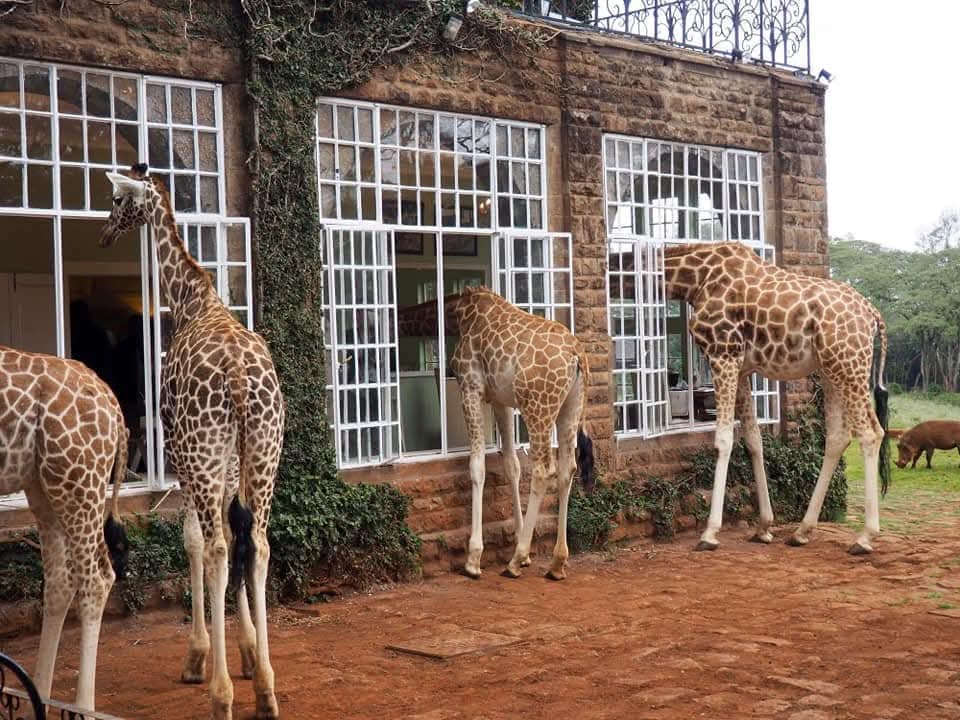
x=825, y=75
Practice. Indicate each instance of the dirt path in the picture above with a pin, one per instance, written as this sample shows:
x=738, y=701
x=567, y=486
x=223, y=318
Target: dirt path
x=656, y=632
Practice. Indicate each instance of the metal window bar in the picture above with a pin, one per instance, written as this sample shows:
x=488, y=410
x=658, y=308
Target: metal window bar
x=76, y=109
x=361, y=280
x=26, y=703
x=674, y=193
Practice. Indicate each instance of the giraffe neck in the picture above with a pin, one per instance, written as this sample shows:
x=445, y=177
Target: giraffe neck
x=186, y=286
x=422, y=320
x=683, y=279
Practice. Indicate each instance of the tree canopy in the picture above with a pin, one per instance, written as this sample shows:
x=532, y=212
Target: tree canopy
x=919, y=296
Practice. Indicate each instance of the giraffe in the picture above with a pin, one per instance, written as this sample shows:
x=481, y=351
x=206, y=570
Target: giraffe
x=223, y=414
x=750, y=315
x=62, y=437
x=512, y=359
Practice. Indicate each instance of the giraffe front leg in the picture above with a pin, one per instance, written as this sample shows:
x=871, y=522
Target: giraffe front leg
x=194, y=666
x=725, y=378
x=473, y=415
x=511, y=466
x=754, y=442
x=540, y=452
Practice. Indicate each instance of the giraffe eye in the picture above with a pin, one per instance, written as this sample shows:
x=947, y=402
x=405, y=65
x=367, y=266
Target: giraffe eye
x=117, y=200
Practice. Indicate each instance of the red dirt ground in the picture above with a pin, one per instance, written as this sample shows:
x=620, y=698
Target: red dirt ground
x=654, y=631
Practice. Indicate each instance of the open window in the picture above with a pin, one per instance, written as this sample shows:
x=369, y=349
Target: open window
x=61, y=129
x=667, y=193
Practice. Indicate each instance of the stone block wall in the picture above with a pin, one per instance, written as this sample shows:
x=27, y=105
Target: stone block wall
x=581, y=86
x=145, y=37
x=587, y=84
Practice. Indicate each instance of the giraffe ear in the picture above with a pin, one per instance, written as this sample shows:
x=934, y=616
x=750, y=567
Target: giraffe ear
x=125, y=186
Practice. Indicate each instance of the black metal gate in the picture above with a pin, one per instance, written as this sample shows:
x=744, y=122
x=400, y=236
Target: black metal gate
x=25, y=703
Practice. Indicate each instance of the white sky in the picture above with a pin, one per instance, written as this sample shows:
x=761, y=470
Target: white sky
x=893, y=114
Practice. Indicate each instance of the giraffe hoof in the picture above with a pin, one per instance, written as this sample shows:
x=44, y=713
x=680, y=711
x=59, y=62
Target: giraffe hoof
x=510, y=572
x=858, y=549
x=556, y=575
x=267, y=708
x=706, y=545
x=191, y=678
x=797, y=541
x=765, y=538
x=472, y=574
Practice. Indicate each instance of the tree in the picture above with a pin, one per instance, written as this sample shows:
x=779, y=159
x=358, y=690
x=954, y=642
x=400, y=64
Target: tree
x=919, y=298
x=945, y=234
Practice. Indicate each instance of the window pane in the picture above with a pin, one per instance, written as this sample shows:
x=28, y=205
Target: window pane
x=11, y=184
x=36, y=84
x=10, y=134
x=9, y=85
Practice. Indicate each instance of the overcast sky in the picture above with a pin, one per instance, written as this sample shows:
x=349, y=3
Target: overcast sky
x=893, y=114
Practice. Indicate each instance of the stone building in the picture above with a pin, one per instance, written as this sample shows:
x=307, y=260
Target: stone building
x=557, y=182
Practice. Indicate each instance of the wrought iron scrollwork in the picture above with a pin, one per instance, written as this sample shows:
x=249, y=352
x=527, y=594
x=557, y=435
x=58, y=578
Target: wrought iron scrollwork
x=18, y=704
x=770, y=32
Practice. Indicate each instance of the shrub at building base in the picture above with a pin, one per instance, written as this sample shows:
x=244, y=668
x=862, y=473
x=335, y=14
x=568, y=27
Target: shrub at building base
x=792, y=463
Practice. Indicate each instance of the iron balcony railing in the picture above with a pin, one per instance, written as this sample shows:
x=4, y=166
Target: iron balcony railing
x=770, y=32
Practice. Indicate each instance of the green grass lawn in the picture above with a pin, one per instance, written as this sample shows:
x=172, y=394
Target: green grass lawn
x=918, y=501
x=908, y=409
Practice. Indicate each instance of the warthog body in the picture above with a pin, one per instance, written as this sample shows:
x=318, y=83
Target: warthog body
x=927, y=437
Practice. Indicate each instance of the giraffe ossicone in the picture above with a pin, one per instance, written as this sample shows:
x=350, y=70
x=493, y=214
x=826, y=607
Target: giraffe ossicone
x=511, y=359
x=223, y=416
x=749, y=315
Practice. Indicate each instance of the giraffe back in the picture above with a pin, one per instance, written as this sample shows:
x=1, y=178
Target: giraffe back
x=518, y=359
x=781, y=323
x=210, y=356
x=58, y=421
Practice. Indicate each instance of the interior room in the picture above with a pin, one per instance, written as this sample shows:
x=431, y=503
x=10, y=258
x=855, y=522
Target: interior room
x=464, y=261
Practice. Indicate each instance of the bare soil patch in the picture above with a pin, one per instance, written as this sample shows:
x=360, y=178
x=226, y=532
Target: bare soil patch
x=653, y=631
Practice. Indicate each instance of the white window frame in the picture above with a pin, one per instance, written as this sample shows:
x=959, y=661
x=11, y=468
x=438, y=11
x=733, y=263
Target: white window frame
x=385, y=350
x=518, y=184
x=96, y=208
x=626, y=168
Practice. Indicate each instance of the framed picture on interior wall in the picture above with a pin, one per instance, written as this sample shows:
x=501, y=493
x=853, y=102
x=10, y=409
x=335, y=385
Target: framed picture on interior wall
x=409, y=243
x=464, y=245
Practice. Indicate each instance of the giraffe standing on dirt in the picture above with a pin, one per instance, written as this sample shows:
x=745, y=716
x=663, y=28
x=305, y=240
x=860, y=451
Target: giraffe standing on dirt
x=750, y=315
x=512, y=359
x=223, y=415
x=62, y=436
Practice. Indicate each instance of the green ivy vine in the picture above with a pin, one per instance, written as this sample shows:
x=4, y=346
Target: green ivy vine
x=297, y=52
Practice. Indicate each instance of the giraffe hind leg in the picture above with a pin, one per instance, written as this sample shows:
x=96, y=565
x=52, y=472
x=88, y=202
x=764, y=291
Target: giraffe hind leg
x=539, y=482
x=194, y=666
x=58, y=588
x=567, y=425
x=837, y=440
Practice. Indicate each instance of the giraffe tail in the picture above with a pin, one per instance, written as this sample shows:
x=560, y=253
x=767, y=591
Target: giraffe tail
x=585, y=462
x=881, y=400
x=114, y=533
x=239, y=515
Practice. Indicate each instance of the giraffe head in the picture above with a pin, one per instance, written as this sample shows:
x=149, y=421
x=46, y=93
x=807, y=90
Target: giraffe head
x=130, y=196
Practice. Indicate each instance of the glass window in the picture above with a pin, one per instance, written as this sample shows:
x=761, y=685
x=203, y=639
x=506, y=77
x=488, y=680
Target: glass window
x=659, y=193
